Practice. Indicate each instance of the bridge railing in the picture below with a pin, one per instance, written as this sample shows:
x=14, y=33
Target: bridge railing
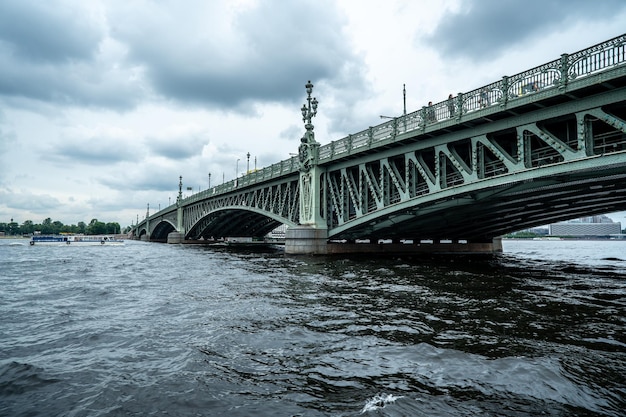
x=276, y=170
x=555, y=74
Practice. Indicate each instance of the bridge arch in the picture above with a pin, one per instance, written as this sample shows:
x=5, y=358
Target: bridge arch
x=236, y=221
x=141, y=232
x=162, y=229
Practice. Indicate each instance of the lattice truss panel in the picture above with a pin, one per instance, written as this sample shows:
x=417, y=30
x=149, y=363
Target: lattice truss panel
x=271, y=205
x=364, y=188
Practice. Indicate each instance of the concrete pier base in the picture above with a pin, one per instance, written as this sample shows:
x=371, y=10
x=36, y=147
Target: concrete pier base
x=305, y=240
x=416, y=248
x=175, y=237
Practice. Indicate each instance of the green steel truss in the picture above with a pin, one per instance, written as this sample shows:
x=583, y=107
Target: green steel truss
x=414, y=190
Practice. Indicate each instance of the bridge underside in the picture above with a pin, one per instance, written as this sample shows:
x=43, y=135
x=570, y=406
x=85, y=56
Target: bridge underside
x=479, y=216
x=233, y=223
x=220, y=224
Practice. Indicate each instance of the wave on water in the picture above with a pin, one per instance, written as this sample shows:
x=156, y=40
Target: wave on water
x=17, y=378
x=8, y=242
x=612, y=259
x=379, y=401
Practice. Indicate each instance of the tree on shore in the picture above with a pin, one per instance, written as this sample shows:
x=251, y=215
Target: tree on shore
x=50, y=227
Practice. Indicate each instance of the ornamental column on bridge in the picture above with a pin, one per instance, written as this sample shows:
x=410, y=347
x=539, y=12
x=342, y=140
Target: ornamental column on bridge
x=311, y=235
x=179, y=235
x=146, y=237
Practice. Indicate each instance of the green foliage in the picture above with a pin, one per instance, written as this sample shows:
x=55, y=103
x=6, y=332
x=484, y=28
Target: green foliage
x=522, y=235
x=96, y=228
x=50, y=227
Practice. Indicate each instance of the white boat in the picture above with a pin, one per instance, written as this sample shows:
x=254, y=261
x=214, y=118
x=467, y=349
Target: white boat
x=73, y=240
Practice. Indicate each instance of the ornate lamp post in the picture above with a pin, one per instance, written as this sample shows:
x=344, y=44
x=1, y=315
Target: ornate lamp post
x=248, y=165
x=179, y=213
x=311, y=234
x=310, y=110
x=308, y=150
x=308, y=154
x=179, y=198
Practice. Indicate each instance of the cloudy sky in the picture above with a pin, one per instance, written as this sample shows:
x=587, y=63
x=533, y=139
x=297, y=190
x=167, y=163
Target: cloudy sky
x=105, y=103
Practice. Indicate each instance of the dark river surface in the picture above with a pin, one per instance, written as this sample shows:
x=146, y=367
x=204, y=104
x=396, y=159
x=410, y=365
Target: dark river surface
x=168, y=330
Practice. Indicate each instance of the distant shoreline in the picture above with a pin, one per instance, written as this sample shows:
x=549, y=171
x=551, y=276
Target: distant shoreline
x=116, y=235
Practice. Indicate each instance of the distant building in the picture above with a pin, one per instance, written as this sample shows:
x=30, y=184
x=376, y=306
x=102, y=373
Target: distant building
x=278, y=233
x=586, y=226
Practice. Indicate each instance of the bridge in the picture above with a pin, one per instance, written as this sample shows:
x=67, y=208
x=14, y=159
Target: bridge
x=542, y=146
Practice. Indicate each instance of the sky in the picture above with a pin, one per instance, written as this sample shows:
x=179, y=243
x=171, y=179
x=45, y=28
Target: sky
x=105, y=103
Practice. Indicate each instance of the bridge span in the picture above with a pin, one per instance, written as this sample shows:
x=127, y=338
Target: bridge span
x=545, y=145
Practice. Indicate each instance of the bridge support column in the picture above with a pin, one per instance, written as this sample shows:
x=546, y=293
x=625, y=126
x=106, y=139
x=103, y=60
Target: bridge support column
x=306, y=240
x=175, y=237
x=496, y=245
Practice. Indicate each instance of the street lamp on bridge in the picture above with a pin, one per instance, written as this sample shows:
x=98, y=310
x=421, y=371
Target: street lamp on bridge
x=311, y=110
x=404, y=107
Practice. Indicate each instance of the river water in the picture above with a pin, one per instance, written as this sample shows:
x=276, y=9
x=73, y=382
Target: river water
x=154, y=329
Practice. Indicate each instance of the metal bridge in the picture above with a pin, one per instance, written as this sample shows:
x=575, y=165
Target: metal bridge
x=545, y=145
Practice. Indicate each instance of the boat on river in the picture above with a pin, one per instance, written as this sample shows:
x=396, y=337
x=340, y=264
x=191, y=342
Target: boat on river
x=74, y=240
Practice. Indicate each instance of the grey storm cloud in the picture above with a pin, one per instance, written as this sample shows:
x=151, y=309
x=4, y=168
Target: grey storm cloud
x=483, y=29
x=49, y=52
x=46, y=32
x=177, y=148
x=273, y=49
x=83, y=54
x=92, y=151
